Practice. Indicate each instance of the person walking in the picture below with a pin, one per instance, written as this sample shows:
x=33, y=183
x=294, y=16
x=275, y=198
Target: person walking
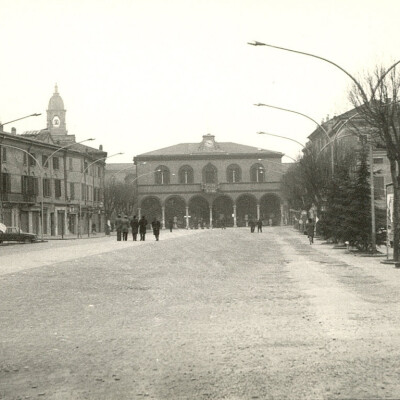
x=252, y=225
x=170, y=224
x=142, y=228
x=310, y=227
x=156, y=228
x=135, y=227
x=125, y=228
x=259, y=225
x=118, y=227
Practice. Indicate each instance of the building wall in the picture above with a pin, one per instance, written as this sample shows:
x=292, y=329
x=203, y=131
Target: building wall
x=60, y=212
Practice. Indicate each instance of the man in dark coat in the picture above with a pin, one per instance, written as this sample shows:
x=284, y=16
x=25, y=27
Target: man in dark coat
x=156, y=228
x=259, y=225
x=135, y=227
x=118, y=227
x=142, y=228
x=252, y=225
x=125, y=228
x=170, y=224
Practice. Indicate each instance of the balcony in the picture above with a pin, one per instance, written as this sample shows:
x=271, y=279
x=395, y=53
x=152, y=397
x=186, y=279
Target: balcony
x=19, y=198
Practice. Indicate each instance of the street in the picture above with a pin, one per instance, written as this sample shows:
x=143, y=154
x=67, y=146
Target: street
x=201, y=314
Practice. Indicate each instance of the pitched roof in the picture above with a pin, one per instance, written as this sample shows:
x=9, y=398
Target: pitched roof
x=186, y=149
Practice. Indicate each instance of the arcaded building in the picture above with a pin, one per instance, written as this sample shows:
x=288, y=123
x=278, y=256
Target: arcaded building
x=210, y=183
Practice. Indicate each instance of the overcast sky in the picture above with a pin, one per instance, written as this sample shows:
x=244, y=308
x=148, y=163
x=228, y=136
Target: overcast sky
x=139, y=75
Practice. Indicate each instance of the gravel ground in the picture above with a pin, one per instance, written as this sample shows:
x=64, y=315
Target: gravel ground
x=213, y=314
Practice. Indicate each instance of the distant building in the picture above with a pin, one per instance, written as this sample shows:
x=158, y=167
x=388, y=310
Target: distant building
x=210, y=184
x=48, y=168
x=345, y=131
x=120, y=172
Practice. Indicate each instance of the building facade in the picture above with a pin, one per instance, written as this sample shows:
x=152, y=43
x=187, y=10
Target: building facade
x=342, y=133
x=49, y=184
x=210, y=184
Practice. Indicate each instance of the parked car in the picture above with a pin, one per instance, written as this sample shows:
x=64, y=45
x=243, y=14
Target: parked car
x=14, y=234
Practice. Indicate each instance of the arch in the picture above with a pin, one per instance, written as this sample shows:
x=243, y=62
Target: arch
x=233, y=173
x=246, y=209
x=210, y=174
x=270, y=209
x=162, y=175
x=257, y=173
x=175, y=210
x=222, y=210
x=186, y=174
x=199, y=212
x=151, y=208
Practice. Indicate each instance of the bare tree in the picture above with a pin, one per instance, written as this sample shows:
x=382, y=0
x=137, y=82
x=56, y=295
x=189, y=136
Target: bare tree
x=381, y=115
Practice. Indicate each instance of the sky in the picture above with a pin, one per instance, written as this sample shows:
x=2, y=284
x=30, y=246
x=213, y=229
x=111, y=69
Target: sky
x=140, y=75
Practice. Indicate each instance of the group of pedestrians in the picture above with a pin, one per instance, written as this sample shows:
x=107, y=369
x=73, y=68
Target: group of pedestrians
x=122, y=224
x=253, y=224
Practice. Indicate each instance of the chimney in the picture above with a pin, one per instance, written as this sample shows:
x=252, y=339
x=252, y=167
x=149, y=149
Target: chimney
x=101, y=147
x=13, y=131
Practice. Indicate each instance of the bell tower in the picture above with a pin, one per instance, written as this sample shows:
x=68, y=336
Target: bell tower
x=56, y=115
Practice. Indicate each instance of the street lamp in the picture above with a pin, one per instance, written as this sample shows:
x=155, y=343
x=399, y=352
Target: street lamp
x=311, y=119
x=366, y=101
x=80, y=197
x=18, y=119
x=65, y=147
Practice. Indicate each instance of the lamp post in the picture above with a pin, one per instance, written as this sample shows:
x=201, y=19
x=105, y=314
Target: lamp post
x=42, y=173
x=311, y=119
x=366, y=101
x=80, y=197
x=18, y=119
x=65, y=147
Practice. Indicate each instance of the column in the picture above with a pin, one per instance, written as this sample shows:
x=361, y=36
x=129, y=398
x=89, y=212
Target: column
x=187, y=217
x=258, y=212
x=30, y=221
x=234, y=216
x=282, y=216
x=163, y=217
x=66, y=228
x=139, y=213
x=55, y=222
x=76, y=223
x=211, y=220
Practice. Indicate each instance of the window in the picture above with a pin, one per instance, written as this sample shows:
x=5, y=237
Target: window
x=46, y=187
x=186, y=174
x=71, y=164
x=234, y=174
x=29, y=185
x=257, y=173
x=5, y=183
x=99, y=172
x=32, y=159
x=379, y=186
x=25, y=159
x=71, y=191
x=56, y=163
x=45, y=163
x=162, y=175
x=210, y=174
x=4, y=155
x=57, y=187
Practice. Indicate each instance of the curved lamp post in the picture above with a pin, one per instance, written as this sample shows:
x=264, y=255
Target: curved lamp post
x=18, y=119
x=366, y=101
x=64, y=147
x=311, y=119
